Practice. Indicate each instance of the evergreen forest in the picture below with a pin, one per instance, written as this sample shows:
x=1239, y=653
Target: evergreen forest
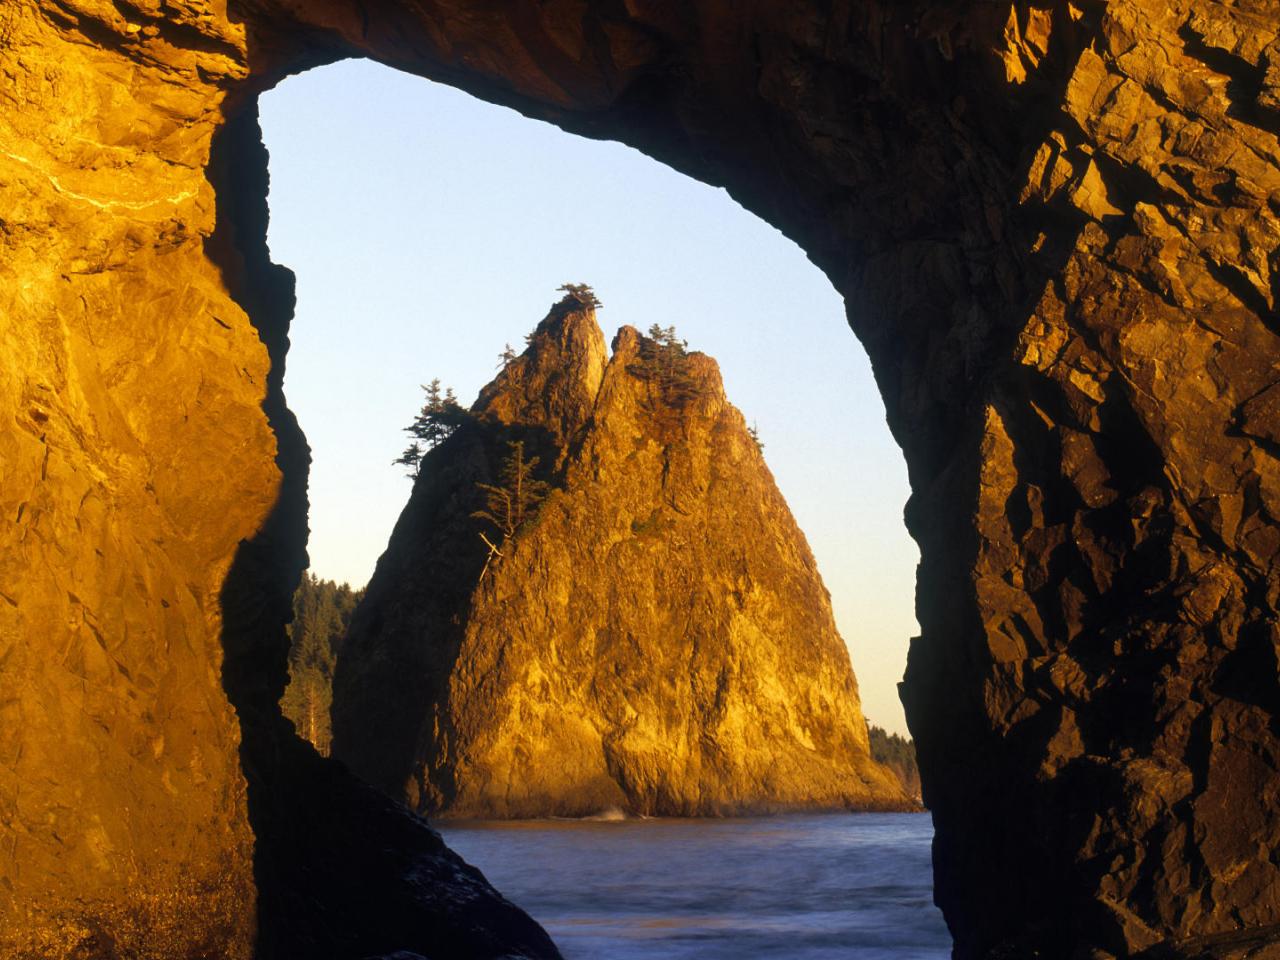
x=321, y=614
x=898, y=753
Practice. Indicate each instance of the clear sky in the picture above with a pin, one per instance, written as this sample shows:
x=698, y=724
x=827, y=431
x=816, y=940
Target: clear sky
x=427, y=229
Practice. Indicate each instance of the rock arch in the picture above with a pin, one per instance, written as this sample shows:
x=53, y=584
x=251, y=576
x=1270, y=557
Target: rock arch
x=1056, y=226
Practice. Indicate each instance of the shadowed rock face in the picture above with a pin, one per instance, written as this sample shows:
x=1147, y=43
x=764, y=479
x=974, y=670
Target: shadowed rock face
x=656, y=639
x=1055, y=226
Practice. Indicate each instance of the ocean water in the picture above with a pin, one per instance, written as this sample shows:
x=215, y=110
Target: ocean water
x=804, y=887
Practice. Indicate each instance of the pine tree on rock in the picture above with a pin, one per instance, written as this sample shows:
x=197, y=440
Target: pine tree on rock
x=515, y=500
x=582, y=293
x=664, y=365
x=411, y=458
x=439, y=417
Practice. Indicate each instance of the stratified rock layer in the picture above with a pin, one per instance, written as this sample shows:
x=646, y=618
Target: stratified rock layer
x=1056, y=228
x=656, y=640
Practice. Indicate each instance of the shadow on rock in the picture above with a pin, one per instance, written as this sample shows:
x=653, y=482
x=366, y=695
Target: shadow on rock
x=341, y=871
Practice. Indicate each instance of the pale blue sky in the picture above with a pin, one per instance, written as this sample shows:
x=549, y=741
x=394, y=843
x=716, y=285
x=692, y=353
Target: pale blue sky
x=428, y=228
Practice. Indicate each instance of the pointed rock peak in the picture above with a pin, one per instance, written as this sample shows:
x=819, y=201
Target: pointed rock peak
x=671, y=374
x=570, y=329
x=554, y=382
x=626, y=342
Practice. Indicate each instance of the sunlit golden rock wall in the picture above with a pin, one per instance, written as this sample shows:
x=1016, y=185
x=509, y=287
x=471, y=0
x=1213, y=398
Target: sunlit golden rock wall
x=1055, y=227
x=134, y=458
x=153, y=803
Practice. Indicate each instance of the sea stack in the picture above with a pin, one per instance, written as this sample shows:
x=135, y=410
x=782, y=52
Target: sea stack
x=650, y=636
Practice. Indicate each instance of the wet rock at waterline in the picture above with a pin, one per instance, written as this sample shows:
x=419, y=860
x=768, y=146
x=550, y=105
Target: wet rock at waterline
x=652, y=635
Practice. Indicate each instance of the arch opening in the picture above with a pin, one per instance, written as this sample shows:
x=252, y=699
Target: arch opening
x=478, y=215
x=446, y=225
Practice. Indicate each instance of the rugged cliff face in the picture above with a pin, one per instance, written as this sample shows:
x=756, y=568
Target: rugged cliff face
x=656, y=638
x=1056, y=226
x=122, y=806
x=153, y=802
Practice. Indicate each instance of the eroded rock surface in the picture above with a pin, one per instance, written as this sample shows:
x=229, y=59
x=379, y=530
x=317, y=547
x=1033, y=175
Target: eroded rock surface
x=1055, y=225
x=656, y=639
x=131, y=387
x=153, y=802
